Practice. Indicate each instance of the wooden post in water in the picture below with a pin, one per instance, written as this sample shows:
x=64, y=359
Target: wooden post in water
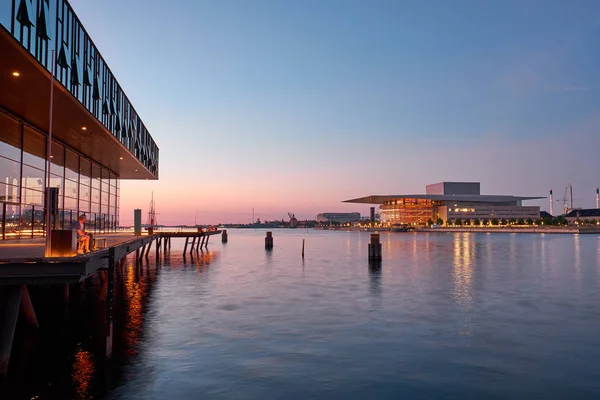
x=269, y=240
x=224, y=236
x=206, y=242
x=27, y=307
x=193, y=244
x=157, y=248
x=185, y=247
x=302, y=248
x=375, y=247
x=9, y=313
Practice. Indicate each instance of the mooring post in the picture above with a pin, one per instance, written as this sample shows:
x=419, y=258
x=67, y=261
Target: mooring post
x=302, y=248
x=375, y=247
x=109, y=301
x=269, y=240
x=27, y=307
x=224, y=236
x=8, y=323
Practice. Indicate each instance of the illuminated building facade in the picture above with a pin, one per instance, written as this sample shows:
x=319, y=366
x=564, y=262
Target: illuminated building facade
x=449, y=201
x=97, y=136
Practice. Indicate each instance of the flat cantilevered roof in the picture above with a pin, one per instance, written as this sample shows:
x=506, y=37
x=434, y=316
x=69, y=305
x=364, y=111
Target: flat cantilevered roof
x=481, y=198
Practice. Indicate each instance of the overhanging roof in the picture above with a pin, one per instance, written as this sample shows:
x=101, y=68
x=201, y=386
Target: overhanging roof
x=28, y=97
x=381, y=199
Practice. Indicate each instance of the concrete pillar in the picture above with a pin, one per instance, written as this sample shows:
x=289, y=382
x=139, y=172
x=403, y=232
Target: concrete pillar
x=9, y=313
x=269, y=240
x=137, y=222
x=27, y=307
x=375, y=247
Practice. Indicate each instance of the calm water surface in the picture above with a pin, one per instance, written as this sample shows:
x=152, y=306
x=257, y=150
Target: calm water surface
x=444, y=316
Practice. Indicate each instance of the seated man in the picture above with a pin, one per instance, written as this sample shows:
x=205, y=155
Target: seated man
x=82, y=235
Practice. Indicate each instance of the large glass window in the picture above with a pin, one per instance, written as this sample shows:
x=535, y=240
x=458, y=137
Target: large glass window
x=96, y=176
x=86, y=172
x=9, y=193
x=58, y=158
x=33, y=178
x=34, y=149
x=10, y=171
x=10, y=131
x=72, y=164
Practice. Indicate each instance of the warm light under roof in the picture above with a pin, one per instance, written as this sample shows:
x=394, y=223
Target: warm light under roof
x=136, y=170
x=16, y=73
x=120, y=158
x=84, y=128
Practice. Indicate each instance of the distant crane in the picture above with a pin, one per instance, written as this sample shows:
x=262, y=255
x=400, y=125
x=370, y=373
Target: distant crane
x=569, y=193
x=293, y=220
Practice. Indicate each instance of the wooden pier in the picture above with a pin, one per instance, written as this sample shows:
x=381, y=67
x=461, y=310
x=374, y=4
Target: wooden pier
x=22, y=265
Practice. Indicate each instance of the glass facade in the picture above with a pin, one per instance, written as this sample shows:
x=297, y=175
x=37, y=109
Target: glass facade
x=83, y=186
x=41, y=26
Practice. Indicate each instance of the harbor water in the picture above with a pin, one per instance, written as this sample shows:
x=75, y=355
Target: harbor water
x=443, y=316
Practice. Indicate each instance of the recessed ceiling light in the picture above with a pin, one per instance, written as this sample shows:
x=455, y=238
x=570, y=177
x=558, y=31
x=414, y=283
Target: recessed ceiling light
x=120, y=158
x=51, y=156
x=136, y=170
x=16, y=73
x=84, y=128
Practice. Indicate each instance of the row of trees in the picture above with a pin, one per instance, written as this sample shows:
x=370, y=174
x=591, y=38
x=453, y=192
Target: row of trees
x=500, y=222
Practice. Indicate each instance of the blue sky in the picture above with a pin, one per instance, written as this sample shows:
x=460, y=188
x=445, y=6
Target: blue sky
x=294, y=106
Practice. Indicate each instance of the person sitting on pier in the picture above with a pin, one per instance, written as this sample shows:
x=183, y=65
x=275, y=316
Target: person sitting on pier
x=82, y=236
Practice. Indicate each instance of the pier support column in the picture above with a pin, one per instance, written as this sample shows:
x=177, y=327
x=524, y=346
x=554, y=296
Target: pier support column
x=169, y=243
x=27, y=307
x=193, y=244
x=65, y=293
x=10, y=302
x=157, y=248
x=224, y=236
x=148, y=250
x=269, y=240
x=186, y=244
x=110, y=279
x=375, y=247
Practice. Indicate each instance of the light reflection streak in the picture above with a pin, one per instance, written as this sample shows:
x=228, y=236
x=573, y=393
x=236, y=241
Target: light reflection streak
x=463, y=276
x=577, y=249
x=135, y=292
x=82, y=372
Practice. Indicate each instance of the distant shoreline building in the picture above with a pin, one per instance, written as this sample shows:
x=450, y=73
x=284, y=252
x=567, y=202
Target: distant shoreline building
x=449, y=201
x=341, y=218
x=98, y=137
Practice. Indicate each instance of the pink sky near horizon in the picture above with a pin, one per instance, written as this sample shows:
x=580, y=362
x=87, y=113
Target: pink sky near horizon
x=224, y=193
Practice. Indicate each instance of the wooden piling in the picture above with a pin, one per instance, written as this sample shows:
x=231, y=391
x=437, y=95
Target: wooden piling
x=206, y=242
x=148, y=250
x=269, y=240
x=27, y=307
x=65, y=293
x=8, y=323
x=186, y=244
x=375, y=247
x=302, y=248
x=157, y=248
x=224, y=236
x=193, y=244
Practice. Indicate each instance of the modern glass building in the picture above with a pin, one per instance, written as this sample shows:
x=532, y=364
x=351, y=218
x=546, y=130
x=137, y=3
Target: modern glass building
x=97, y=136
x=449, y=201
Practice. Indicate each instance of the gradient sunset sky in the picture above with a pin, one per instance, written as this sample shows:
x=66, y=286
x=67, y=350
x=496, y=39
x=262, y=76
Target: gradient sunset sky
x=294, y=106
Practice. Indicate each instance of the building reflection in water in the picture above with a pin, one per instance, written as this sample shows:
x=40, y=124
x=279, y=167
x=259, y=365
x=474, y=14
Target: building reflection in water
x=135, y=292
x=462, y=275
x=82, y=373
